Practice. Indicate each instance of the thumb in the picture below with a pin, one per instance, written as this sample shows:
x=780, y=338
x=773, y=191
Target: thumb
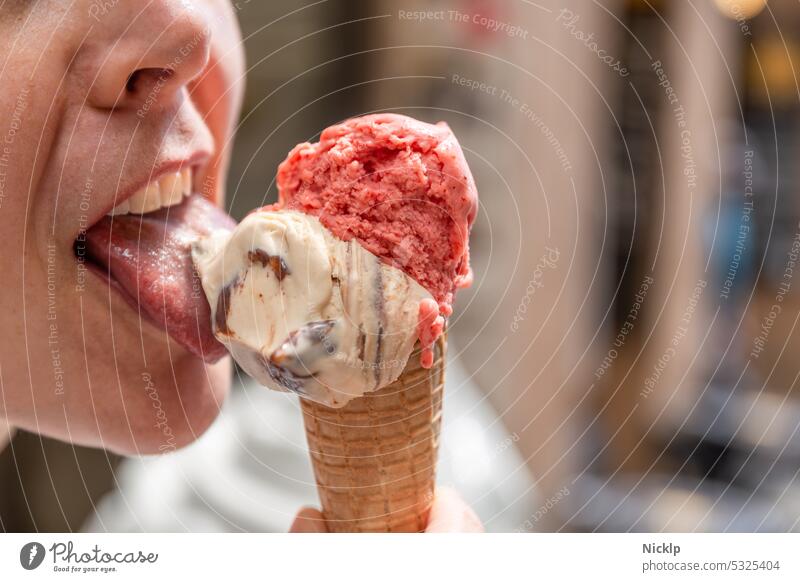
x=451, y=514
x=308, y=520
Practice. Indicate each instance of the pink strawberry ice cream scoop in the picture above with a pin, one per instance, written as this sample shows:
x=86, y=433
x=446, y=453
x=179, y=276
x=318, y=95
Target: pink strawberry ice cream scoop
x=403, y=190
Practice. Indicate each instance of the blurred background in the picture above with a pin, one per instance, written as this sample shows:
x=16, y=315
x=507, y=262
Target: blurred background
x=627, y=358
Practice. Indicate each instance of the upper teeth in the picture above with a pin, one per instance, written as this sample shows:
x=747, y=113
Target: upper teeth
x=168, y=190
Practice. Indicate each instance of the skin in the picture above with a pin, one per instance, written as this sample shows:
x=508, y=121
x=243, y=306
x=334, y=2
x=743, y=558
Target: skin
x=95, y=96
x=66, y=106
x=449, y=514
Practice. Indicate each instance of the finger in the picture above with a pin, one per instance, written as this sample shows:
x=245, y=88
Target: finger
x=308, y=520
x=450, y=514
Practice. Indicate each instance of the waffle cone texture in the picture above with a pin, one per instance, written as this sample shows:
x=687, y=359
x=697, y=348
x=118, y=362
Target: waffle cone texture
x=375, y=458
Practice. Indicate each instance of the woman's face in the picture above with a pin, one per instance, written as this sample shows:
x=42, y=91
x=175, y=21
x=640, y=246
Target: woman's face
x=98, y=98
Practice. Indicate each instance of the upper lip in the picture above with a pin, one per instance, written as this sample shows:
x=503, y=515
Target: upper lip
x=130, y=188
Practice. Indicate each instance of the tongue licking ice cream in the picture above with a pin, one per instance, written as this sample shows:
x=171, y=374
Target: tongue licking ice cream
x=146, y=257
x=326, y=292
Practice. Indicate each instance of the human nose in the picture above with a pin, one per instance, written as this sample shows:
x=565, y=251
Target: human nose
x=144, y=56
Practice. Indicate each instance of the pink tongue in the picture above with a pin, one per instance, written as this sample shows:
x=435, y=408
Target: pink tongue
x=149, y=257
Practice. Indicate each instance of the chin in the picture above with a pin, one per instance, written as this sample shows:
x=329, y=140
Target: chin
x=169, y=406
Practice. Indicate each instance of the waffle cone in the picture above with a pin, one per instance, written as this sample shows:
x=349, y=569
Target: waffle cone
x=375, y=458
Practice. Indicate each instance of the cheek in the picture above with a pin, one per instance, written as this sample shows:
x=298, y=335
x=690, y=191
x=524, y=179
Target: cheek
x=218, y=96
x=216, y=115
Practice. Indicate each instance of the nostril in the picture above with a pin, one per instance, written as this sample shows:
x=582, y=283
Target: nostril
x=146, y=79
x=130, y=86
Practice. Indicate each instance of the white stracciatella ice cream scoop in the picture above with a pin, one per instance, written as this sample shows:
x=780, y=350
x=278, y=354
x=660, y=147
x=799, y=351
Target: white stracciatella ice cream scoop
x=304, y=311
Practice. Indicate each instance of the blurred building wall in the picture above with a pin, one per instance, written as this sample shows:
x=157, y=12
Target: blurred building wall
x=660, y=375
x=541, y=377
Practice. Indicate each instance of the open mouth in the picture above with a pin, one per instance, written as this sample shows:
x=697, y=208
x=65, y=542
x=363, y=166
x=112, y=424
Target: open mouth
x=142, y=250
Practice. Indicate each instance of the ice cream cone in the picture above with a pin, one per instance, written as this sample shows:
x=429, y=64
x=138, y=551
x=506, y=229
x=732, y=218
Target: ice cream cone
x=375, y=458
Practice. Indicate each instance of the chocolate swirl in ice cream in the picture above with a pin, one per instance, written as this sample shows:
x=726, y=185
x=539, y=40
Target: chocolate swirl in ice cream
x=303, y=311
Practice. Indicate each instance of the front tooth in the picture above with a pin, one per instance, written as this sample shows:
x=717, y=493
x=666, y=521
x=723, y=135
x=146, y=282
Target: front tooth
x=168, y=191
x=171, y=189
x=186, y=176
x=145, y=200
x=121, y=208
